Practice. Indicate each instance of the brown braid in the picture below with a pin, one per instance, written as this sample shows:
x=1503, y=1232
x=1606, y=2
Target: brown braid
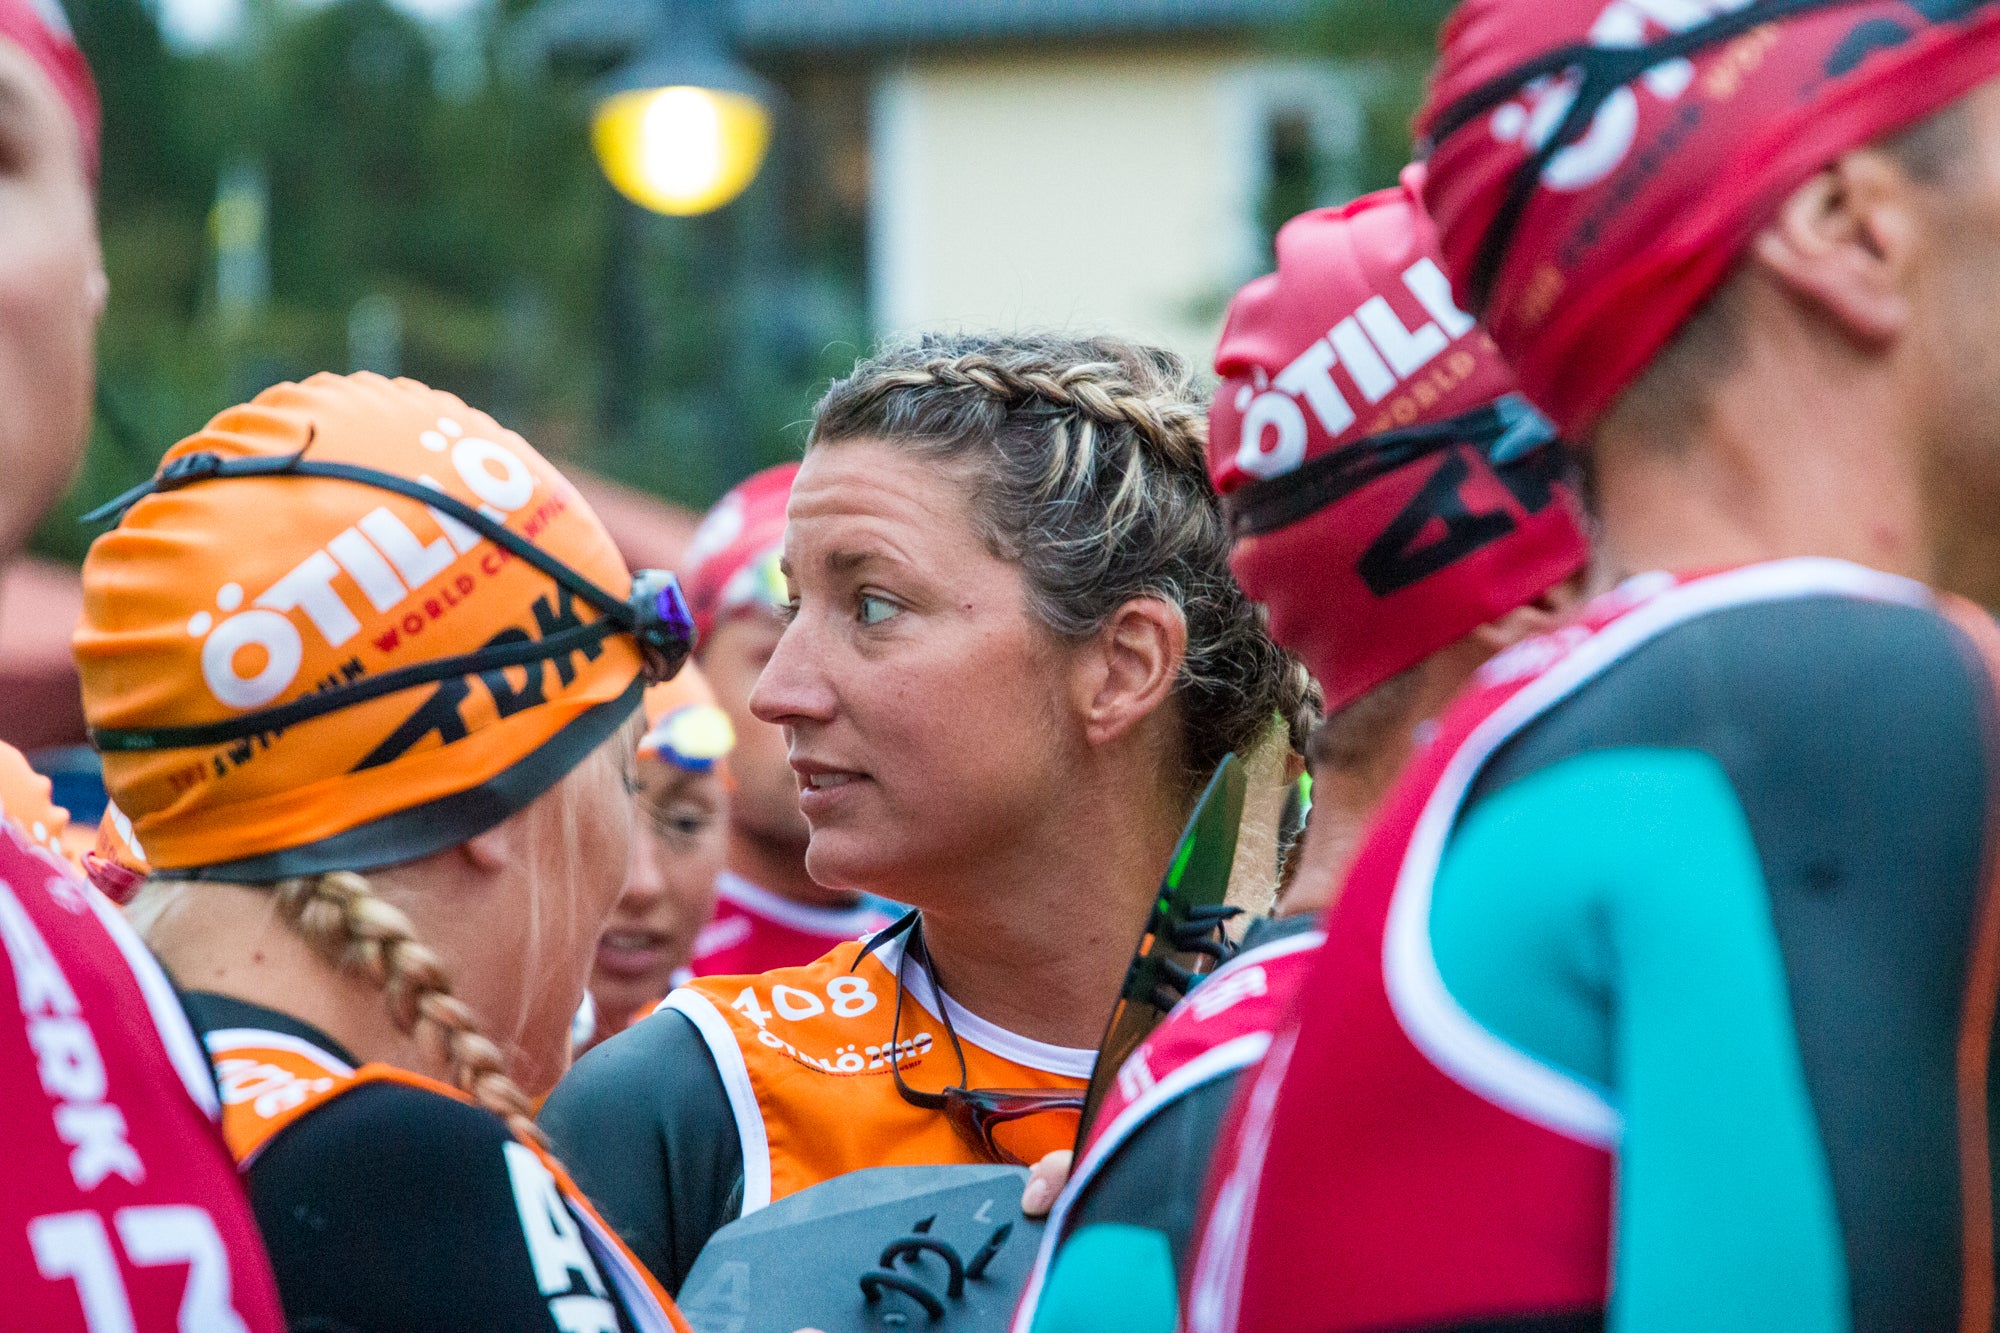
x=1090, y=472
x=340, y=915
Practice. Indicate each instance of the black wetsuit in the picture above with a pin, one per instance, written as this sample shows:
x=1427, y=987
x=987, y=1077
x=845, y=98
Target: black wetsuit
x=390, y=1209
x=677, y=1184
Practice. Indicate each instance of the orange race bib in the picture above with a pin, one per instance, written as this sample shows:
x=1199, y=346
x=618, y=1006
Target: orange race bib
x=805, y=1052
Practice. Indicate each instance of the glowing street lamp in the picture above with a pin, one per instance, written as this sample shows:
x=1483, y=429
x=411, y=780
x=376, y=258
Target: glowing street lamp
x=680, y=148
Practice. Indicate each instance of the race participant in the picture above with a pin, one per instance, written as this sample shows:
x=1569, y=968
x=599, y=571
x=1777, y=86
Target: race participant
x=681, y=785
x=121, y=1210
x=377, y=757
x=1662, y=994
x=1395, y=555
x=1015, y=657
x=768, y=911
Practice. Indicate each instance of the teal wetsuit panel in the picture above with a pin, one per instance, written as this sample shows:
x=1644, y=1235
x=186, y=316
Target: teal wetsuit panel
x=1609, y=917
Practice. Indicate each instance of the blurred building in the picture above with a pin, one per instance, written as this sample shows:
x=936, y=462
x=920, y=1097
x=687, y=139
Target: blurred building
x=1078, y=164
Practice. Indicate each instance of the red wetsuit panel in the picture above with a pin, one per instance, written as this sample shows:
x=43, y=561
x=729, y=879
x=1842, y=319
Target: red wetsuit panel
x=1393, y=1165
x=755, y=930
x=1245, y=998
x=121, y=1209
x=1423, y=1202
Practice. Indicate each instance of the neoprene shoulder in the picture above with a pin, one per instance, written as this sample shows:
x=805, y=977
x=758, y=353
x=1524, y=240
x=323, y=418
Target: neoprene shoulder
x=646, y=1130
x=1854, y=737
x=1154, y=1179
x=392, y=1209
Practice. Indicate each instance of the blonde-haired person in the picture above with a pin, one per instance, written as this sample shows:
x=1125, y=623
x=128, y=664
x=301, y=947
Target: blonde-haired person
x=1015, y=653
x=361, y=665
x=682, y=785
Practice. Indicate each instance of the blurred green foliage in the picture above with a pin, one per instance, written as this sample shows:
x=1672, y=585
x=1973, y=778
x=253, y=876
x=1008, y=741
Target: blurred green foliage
x=1389, y=45
x=432, y=172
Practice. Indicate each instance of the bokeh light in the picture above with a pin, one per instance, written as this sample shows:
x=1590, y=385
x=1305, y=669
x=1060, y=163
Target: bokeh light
x=681, y=150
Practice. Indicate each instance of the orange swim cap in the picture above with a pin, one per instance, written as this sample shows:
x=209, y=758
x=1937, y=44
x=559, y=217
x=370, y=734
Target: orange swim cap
x=352, y=623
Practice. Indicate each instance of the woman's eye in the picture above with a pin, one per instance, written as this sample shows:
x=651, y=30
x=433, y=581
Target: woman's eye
x=683, y=821
x=875, y=610
x=788, y=611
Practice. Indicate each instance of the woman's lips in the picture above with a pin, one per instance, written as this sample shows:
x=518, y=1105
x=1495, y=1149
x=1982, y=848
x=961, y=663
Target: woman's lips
x=632, y=954
x=823, y=788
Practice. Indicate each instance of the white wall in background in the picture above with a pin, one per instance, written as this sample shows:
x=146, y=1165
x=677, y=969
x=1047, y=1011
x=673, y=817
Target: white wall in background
x=1082, y=191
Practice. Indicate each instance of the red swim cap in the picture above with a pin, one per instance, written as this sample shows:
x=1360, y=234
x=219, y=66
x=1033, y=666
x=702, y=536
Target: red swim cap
x=1351, y=441
x=39, y=28
x=1585, y=261
x=732, y=561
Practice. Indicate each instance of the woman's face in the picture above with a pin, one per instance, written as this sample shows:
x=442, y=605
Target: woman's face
x=51, y=293
x=573, y=854
x=925, y=709
x=669, y=894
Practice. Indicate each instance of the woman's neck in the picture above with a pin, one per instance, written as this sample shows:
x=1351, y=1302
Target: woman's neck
x=780, y=868
x=1038, y=936
x=228, y=940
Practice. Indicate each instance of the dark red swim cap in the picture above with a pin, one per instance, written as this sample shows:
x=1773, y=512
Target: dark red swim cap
x=1356, y=410
x=1628, y=228
x=731, y=564
x=39, y=28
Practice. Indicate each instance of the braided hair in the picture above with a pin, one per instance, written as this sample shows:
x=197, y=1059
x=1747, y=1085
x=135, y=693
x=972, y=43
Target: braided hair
x=357, y=932
x=1088, y=467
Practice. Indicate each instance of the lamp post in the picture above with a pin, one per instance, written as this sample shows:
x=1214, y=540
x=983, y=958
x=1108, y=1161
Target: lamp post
x=679, y=127
x=675, y=146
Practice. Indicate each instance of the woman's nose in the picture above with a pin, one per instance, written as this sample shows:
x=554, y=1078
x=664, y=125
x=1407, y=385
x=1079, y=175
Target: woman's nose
x=793, y=688
x=645, y=876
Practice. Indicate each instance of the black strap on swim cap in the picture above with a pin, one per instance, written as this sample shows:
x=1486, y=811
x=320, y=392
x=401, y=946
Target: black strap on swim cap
x=1504, y=432
x=1601, y=71
x=655, y=614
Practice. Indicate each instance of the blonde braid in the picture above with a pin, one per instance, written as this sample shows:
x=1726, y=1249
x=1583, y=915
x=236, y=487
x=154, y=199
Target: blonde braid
x=339, y=914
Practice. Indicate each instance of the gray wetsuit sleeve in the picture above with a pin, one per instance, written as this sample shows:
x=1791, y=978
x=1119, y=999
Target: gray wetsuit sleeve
x=1154, y=1179
x=644, y=1126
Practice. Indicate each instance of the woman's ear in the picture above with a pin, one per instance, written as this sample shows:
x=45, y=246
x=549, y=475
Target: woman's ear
x=1130, y=667
x=493, y=850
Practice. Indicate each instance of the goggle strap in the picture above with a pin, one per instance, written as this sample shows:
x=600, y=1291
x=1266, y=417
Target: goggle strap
x=1503, y=431
x=555, y=646
x=1602, y=71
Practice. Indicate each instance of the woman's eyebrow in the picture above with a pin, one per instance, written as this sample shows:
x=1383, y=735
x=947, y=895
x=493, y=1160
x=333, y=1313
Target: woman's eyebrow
x=848, y=562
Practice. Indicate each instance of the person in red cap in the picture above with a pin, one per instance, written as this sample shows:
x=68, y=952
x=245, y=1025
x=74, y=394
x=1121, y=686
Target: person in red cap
x=1662, y=994
x=768, y=911
x=122, y=1209
x=1401, y=513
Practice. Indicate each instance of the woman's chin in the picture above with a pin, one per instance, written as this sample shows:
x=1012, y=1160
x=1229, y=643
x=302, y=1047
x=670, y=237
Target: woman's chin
x=846, y=859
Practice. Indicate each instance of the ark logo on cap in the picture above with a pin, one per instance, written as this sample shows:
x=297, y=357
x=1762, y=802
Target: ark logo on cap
x=1597, y=167
x=351, y=622
x=1535, y=115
